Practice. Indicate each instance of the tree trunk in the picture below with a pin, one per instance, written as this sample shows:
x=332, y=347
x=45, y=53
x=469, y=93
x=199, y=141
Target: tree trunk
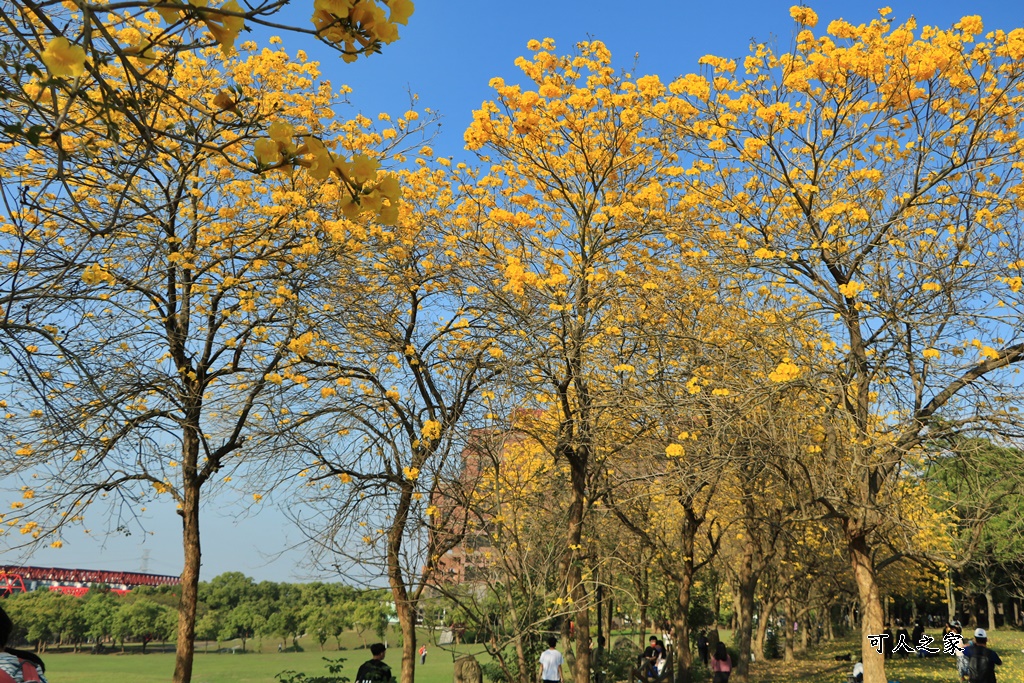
x=950, y=598
x=747, y=584
x=405, y=607
x=525, y=668
x=684, y=657
x=789, y=653
x=641, y=581
x=990, y=607
x=830, y=634
x=571, y=569
x=407, y=622
x=688, y=533
x=608, y=612
x=757, y=646
x=870, y=606
x=601, y=638
x=187, y=604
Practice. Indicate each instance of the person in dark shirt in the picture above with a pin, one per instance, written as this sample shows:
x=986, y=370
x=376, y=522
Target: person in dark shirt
x=916, y=637
x=702, y=647
x=375, y=670
x=649, y=657
x=976, y=669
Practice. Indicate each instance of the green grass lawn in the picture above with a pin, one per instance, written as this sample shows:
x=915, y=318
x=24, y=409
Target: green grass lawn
x=252, y=667
x=815, y=666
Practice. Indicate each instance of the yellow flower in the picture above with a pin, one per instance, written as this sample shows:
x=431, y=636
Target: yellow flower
x=281, y=131
x=94, y=275
x=227, y=29
x=267, y=152
x=390, y=188
x=431, y=430
x=363, y=168
x=64, y=59
x=57, y=544
x=401, y=10
x=804, y=15
x=411, y=473
x=931, y=353
x=674, y=450
x=784, y=372
x=851, y=289
x=257, y=497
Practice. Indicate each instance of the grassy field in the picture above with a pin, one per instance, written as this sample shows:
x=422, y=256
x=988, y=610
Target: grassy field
x=817, y=666
x=252, y=667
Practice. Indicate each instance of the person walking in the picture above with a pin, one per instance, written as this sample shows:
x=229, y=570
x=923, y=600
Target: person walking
x=551, y=663
x=702, y=647
x=721, y=664
x=423, y=654
x=375, y=670
x=980, y=661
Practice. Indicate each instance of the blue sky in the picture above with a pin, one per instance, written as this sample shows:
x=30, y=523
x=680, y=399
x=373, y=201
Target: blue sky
x=447, y=55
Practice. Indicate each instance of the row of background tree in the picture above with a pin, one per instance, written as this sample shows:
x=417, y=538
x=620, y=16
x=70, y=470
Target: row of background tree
x=232, y=606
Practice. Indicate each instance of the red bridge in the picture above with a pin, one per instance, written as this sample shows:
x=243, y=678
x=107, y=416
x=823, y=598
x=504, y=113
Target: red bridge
x=12, y=579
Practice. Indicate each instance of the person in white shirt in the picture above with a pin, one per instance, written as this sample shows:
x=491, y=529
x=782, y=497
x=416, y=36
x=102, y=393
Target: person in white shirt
x=858, y=672
x=551, y=663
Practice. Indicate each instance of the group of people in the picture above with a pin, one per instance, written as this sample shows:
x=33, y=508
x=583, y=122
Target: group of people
x=652, y=661
x=976, y=662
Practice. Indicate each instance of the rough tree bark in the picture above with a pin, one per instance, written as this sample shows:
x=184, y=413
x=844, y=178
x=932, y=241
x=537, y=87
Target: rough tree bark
x=872, y=618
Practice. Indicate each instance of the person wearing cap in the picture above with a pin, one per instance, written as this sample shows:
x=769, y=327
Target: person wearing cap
x=980, y=662
x=21, y=666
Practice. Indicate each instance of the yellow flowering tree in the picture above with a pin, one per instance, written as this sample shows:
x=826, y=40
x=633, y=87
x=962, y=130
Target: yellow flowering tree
x=873, y=172
x=82, y=52
x=578, y=194
x=167, y=289
x=399, y=360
